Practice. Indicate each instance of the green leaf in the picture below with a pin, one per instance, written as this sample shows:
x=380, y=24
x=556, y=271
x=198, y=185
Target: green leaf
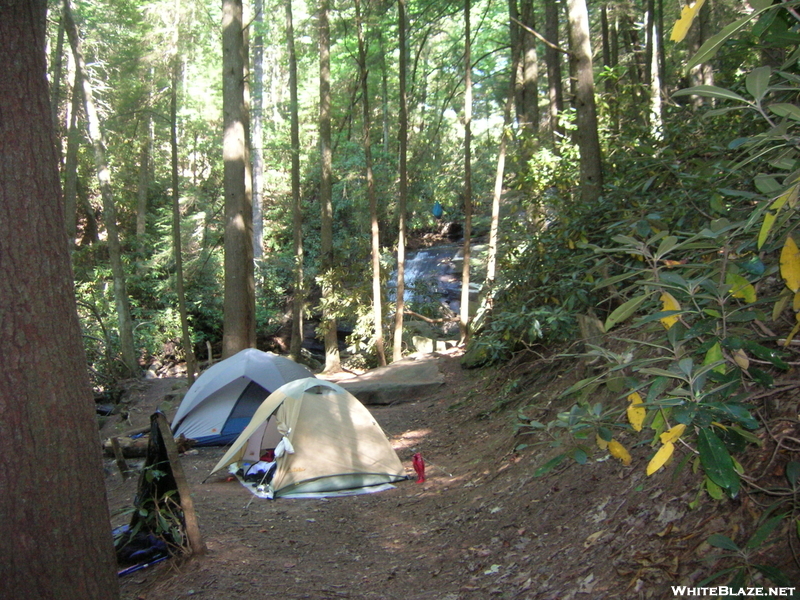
x=714, y=490
x=762, y=533
x=715, y=357
x=774, y=574
x=710, y=91
x=793, y=473
x=757, y=82
x=549, y=465
x=716, y=461
x=710, y=48
x=605, y=434
x=722, y=541
x=740, y=287
x=783, y=109
x=625, y=311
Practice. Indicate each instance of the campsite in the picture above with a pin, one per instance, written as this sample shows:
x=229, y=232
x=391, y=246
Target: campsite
x=480, y=526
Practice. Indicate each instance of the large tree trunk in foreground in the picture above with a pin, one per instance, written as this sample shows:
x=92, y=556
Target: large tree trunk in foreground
x=55, y=538
x=239, y=329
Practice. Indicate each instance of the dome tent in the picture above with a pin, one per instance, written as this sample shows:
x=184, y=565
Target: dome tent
x=221, y=402
x=337, y=444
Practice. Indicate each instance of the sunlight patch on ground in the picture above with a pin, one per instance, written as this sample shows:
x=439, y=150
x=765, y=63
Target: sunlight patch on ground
x=409, y=439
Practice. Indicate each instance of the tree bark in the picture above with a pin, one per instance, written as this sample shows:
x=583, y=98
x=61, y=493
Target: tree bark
x=121, y=300
x=258, y=129
x=239, y=304
x=552, y=57
x=377, y=291
x=397, y=347
x=71, y=168
x=329, y=326
x=188, y=347
x=54, y=532
x=591, y=174
x=298, y=301
x=464, y=312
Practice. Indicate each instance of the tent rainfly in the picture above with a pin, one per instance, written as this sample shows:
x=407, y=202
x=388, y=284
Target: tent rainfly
x=337, y=444
x=221, y=402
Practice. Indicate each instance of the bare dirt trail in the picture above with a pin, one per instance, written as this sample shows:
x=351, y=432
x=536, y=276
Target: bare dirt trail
x=481, y=526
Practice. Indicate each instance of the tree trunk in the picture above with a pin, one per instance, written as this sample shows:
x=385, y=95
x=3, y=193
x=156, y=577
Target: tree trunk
x=54, y=531
x=297, y=207
x=127, y=347
x=397, y=347
x=144, y=176
x=653, y=52
x=239, y=304
x=377, y=291
x=552, y=57
x=332, y=360
x=464, y=313
x=71, y=168
x=258, y=129
x=530, y=76
x=702, y=74
x=591, y=175
x=188, y=348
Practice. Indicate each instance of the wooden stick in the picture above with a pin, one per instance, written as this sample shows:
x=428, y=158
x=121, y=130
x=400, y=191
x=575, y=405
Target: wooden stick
x=121, y=464
x=187, y=504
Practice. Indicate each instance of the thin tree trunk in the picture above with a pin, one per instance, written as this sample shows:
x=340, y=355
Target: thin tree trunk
x=109, y=208
x=258, y=129
x=397, y=348
x=332, y=359
x=71, y=167
x=188, y=347
x=54, y=533
x=591, y=174
x=377, y=292
x=530, y=75
x=55, y=92
x=653, y=52
x=464, y=313
x=144, y=177
x=298, y=302
x=239, y=303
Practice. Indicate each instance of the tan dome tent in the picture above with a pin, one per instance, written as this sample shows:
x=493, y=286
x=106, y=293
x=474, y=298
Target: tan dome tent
x=222, y=401
x=337, y=443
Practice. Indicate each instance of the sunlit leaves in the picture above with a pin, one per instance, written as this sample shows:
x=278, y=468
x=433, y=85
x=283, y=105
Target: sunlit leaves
x=688, y=14
x=669, y=303
x=790, y=264
x=673, y=434
x=661, y=457
x=619, y=451
x=636, y=412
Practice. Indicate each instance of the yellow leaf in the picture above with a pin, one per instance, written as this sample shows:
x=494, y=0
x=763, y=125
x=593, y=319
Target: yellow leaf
x=662, y=456
x=796, y=302
x=673, y=434
x=571, y=244
x=790, y=264
x=681, y=28
x=741, y=288
x=741, y=359
x=617, y=450
x=636, y=414
x=780, y=305
x=669, y=303
x=790, y=196
x=601, y=443
x=792, y=334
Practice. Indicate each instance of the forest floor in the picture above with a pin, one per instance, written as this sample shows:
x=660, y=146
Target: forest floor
x=482, y=525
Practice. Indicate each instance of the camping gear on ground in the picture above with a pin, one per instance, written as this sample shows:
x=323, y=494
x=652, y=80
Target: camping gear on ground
x=221, y=402
x=330, y=441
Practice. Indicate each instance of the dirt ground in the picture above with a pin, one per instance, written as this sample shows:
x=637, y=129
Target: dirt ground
x=481, y=526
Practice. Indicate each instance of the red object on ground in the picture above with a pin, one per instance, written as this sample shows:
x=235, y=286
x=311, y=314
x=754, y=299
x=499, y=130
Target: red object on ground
x=419, y=467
